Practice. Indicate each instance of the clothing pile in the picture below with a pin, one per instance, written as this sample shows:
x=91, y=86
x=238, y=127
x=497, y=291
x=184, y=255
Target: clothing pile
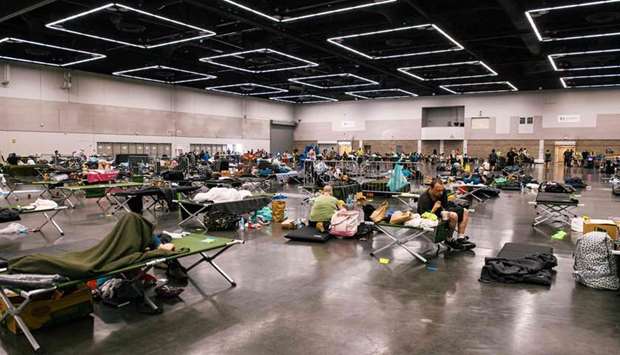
x=424, y=221
x=535, y=269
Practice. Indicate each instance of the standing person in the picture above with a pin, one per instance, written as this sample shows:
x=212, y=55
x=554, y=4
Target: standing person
x=435, y=200
x=547, y=158
x=493, y=159
x=510, y=157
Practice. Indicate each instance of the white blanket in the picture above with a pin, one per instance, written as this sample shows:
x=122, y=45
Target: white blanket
x=222, y=194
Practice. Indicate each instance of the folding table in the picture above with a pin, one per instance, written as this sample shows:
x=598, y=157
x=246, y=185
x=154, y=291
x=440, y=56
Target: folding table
x=555, y=207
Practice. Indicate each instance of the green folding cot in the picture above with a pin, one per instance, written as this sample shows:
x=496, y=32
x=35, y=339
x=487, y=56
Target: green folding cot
x=193, y=245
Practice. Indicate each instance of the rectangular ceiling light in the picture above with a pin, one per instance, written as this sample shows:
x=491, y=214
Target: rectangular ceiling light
x=452, y=44
x=276, y=18
x=247, y=89
x=570, y=82
x=303, y=99
x=64, y=24
x=508, y=85
x=193, y=76
x=391, y=94
x=417, y=71
x=361, y=81
x=553, y=59
x=7, y=41
x=532, y=15
x=217, y=60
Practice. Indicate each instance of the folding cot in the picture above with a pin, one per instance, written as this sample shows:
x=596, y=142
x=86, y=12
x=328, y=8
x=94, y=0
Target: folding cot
x=69, y=193
x=191, y=211
x=554, y=207
x=121, y=199
x=48, y=213
x=194, y=244
x=467, y=190
x=430, y=235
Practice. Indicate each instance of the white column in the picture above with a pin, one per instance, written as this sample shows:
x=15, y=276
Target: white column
x=541, y=150
x=441, y=146
x=465, y=146
x=419, y=146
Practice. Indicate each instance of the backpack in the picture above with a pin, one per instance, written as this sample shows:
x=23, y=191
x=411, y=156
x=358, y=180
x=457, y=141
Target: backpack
x=344, y=223
x=595, y=265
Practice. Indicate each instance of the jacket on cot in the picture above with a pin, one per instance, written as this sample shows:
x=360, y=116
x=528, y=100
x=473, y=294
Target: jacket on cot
x=535, y=269
x=124, y=246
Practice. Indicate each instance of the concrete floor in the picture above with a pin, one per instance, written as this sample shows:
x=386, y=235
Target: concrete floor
x=333, y=298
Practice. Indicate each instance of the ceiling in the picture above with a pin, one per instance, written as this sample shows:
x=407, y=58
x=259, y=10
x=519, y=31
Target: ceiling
x=304, y=51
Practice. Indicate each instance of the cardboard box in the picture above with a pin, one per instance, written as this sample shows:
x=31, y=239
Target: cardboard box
x=601, y=225
x=51, y=309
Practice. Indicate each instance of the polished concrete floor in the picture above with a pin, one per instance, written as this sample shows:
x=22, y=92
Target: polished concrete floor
x=295, y=298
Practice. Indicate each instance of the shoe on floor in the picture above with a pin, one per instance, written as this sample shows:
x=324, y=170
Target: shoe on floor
x=466, y=243
x=454, y=244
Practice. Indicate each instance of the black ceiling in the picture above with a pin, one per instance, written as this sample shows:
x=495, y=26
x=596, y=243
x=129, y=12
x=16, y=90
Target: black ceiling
x=455, y=44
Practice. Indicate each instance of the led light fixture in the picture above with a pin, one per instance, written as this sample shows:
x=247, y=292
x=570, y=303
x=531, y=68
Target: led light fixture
x=567, y=86
x=267, y=89
x=60, y=25
x=314, y=99
x=398, y=93
x=130, y=74
x=368, y=3
x=411, y=71
x=531, y=14
x=553, y=57
x=507, y=83
x=239, y=55
x=364, y=81
x=9, y=40
x=457, y=46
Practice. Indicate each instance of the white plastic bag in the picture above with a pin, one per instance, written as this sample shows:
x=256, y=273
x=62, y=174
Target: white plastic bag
x=13, y=228
x=576, y=224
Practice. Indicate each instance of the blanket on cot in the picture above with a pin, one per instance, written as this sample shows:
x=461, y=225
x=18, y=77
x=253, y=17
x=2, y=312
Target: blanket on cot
x=124, y=246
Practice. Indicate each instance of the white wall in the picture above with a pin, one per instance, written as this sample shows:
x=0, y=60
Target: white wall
x=401, y=119
x=41, y=85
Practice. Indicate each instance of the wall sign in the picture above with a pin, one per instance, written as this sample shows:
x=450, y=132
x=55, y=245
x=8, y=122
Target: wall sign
x=569, y=118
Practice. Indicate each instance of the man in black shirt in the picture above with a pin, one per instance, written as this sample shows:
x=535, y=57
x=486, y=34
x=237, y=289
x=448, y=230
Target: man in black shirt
x=435, y=200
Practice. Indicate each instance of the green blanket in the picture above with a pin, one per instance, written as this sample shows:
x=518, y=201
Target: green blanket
x=126, y=245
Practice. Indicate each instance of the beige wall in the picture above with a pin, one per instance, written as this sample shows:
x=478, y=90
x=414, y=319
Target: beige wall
x=38, y=116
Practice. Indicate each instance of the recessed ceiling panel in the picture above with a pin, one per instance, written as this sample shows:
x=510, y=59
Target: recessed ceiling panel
x=381, y=94
x=164, y=74
x=591, y=81
x=41, y=53
x=603, y=59
x=398, y=42
x=118, y=23
x=449, y=71
x=296, y=10
x=247, y=89
x=334, y=81
x=258, y=61
x=575, y=21
x=479, y=88
x=303, y=99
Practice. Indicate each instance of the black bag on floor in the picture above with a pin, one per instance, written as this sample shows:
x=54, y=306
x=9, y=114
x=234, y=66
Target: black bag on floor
x=363, y=230
x=8, y=215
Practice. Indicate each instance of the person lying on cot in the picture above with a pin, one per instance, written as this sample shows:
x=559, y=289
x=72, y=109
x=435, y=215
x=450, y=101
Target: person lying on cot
x=323, y=209
x=435, y=200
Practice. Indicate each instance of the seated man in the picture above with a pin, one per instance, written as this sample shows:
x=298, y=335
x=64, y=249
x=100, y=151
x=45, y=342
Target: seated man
x=323, y=209
x=435, y=200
